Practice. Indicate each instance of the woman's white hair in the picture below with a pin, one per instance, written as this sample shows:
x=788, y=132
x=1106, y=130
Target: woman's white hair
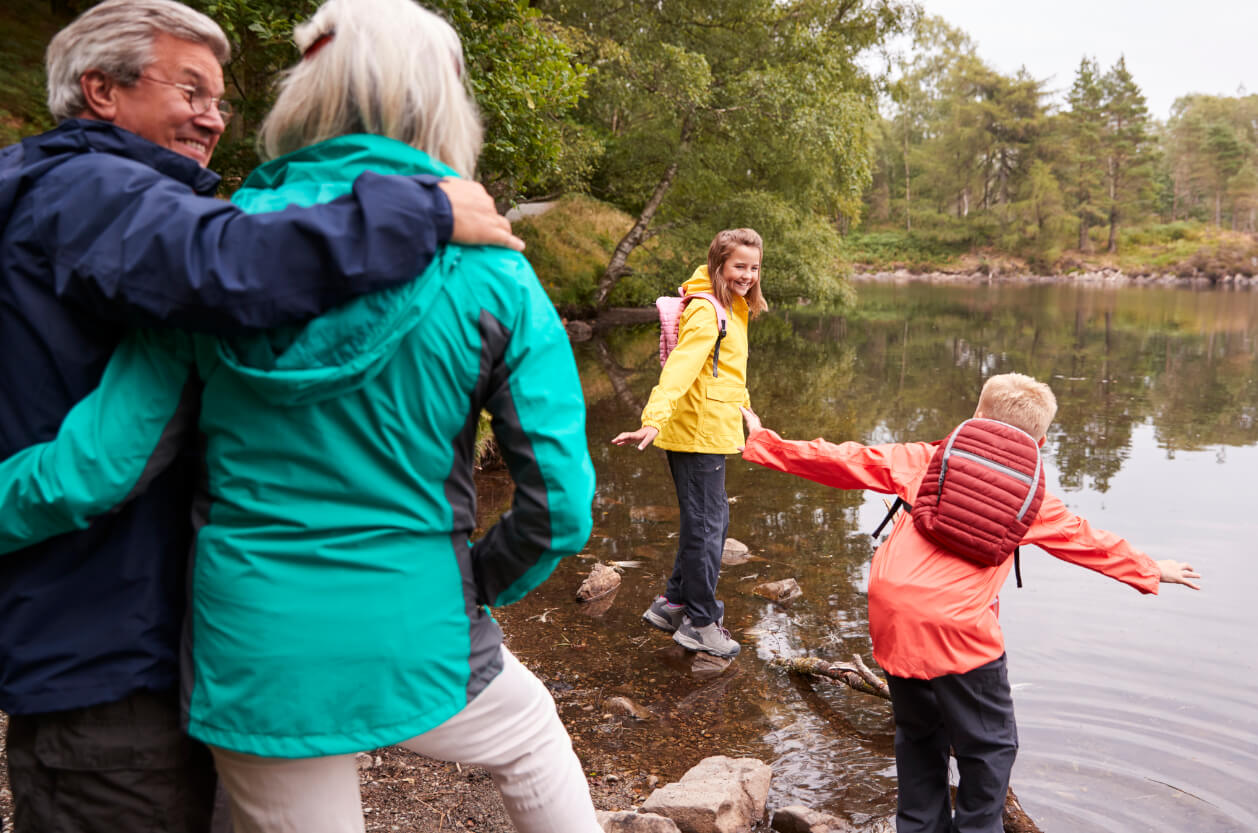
x=116, y=38
x=387, y=67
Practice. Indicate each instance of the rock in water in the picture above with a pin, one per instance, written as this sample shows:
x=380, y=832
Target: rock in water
x=780, y=591
x=601, y=581
x=735, y=553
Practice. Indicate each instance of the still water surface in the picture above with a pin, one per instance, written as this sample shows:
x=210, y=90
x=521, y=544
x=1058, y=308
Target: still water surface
x=1135, y=713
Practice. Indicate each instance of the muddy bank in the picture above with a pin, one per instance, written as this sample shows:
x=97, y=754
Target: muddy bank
x=1099, y=277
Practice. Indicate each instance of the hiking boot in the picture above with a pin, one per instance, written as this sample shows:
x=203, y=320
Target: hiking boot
x=711, y=639
x=664, y=615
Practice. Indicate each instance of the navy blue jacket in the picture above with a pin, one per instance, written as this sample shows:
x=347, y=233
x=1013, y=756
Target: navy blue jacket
x=103, y=230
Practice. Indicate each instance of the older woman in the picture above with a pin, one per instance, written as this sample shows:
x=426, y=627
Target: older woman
x=338, y=604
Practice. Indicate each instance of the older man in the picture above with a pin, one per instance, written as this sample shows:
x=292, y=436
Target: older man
x=108, y=221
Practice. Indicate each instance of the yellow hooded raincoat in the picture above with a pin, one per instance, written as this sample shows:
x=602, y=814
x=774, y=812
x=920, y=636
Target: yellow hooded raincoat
x=693, y=410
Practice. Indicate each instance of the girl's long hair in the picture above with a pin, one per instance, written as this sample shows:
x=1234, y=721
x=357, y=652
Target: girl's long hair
x=722, y=247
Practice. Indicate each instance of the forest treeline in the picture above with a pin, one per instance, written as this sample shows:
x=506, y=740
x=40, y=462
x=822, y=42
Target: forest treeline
x=693, y=115
x=967, y=155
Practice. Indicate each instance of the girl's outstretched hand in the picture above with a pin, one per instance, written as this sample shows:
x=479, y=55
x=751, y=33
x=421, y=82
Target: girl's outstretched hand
x=753, y=421
x=641, y=438
x=1178, y=572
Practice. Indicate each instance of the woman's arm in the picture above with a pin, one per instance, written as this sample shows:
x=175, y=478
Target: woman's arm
x=108, y=448
x=539, y=421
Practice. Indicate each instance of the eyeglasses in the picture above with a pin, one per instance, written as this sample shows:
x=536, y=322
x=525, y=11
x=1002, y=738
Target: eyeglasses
x=199, y=98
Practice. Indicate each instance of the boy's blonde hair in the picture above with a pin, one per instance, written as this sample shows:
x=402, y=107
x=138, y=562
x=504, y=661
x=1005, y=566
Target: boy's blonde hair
x=720, y=250
x=1020, y=401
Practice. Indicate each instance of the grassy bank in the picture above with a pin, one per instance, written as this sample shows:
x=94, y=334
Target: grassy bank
x=570, y=246
x=1184, y=249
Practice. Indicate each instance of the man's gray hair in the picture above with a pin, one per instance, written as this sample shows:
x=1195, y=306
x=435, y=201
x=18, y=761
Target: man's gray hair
x=116, y=38
x=388, y=67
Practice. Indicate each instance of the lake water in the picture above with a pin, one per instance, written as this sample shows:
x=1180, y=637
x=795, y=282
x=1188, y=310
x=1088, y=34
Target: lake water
x=1135, y=713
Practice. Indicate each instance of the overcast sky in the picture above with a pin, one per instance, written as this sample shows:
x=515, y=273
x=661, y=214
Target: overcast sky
x=1173, y=47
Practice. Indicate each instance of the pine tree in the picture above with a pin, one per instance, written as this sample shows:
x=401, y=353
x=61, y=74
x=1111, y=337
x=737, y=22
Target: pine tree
x=1083, y=165
x=1126, y=141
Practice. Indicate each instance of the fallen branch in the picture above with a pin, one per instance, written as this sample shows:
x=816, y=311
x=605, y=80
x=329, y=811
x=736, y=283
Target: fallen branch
x=858, y=676
x=855, y=674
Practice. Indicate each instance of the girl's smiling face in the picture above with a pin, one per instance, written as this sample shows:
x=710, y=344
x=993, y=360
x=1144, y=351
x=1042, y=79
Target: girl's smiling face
x=742, y=270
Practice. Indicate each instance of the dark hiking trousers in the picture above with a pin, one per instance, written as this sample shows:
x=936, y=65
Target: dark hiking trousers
x=700, y=483
x=973, y=714
x=121, y=766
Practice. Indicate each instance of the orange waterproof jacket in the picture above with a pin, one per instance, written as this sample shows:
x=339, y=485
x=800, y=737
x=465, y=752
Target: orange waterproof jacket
x=932, y=612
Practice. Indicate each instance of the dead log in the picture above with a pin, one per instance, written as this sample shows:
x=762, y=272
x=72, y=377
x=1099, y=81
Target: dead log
x=855, y=674
x=858, y=676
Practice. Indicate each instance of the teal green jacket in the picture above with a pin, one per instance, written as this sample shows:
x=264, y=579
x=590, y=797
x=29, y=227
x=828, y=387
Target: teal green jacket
x=337, y=603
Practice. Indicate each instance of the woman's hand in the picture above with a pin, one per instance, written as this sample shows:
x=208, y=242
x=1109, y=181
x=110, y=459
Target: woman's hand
x=642, y=437
x=1178, y=572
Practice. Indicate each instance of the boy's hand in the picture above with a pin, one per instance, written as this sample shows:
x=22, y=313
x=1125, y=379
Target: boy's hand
x=753, y=421
x=642, y=437
x=1178, y=572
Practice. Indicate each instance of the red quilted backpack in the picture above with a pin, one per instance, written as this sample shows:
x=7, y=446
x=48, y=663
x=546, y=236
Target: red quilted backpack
x=982, y=490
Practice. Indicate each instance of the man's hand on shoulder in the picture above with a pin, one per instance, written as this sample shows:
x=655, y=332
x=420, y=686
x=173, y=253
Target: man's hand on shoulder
x=476, y=219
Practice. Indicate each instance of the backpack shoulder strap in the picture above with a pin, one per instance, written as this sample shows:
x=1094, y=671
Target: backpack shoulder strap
x=720, y=321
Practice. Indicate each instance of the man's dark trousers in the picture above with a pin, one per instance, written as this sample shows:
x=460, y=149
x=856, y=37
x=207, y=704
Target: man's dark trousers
x=121, y=766
x=971, y=713
x=700, y=483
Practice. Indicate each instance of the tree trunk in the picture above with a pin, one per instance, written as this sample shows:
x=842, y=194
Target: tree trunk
x=1083, y=234
x=616, y=268
x=908, y=197
x=1113, y=231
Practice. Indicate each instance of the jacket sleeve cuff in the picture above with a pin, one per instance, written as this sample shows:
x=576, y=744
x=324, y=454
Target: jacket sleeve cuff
x=443, y=213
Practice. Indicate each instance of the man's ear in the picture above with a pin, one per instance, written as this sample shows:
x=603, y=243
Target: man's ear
x=101, y=94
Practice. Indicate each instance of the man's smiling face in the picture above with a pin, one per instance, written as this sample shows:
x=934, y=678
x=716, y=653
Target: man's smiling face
x=162, y=113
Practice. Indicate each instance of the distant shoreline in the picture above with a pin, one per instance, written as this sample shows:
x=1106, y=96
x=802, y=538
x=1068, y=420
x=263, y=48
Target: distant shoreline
x=1100, y=277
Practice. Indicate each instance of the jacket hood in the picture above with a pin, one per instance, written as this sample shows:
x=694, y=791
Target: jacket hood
x=346, y=347
x=34, y=156
x=698, y=282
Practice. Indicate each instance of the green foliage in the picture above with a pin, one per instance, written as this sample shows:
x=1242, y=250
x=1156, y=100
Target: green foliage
x=520, y=70
x=25, y=29
x=700, y=104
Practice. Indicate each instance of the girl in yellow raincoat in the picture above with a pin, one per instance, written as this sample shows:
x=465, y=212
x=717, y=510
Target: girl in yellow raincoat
x=693, y=414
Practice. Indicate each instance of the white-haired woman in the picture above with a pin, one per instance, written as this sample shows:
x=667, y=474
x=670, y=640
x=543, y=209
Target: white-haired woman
x=337, y=603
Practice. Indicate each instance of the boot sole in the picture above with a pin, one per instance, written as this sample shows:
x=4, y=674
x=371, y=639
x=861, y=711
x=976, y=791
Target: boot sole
x=697, y=646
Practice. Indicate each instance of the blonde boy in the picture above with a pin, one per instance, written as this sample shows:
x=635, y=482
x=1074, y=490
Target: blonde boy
x=933, y=613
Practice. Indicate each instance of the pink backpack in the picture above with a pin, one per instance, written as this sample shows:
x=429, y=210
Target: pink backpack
x=670, y=308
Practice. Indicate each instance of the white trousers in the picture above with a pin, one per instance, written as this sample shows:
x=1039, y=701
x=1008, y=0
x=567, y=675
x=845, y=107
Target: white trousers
x=511, y=729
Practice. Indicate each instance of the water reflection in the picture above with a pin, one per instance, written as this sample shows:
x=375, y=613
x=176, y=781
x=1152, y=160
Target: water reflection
x=1135, y=713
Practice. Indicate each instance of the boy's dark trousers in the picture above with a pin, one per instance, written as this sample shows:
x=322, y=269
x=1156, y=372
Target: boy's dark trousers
x=700, y=482
x=971, y=713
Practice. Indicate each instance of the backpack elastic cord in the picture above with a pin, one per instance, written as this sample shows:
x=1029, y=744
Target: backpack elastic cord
x=899, y=501
x=1017, y=564
x=716, y=354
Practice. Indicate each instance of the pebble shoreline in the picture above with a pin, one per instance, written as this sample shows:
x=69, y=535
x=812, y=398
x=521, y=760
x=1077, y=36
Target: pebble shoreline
x=1101, y=277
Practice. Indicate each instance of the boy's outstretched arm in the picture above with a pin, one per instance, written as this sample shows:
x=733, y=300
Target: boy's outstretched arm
x=1178, y=572
x=890, y=469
